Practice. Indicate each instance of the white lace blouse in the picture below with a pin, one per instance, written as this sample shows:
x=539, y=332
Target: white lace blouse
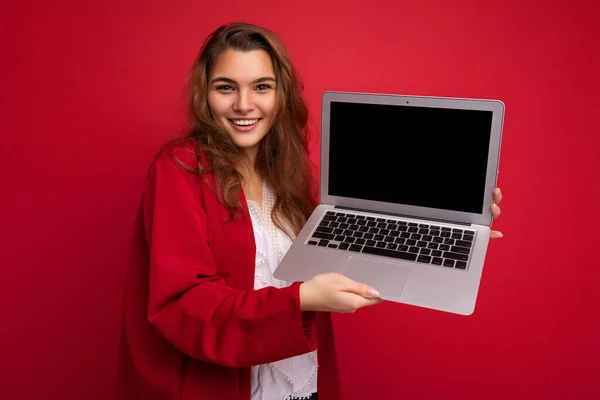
x=295, y=376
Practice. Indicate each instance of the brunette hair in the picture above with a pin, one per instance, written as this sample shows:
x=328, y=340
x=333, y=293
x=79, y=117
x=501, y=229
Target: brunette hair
x=282, y=160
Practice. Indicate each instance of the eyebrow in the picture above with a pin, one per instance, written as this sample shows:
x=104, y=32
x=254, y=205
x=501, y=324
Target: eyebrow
x=229, y=80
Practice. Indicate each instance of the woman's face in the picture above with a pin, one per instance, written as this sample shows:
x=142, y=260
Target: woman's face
x=242, y=96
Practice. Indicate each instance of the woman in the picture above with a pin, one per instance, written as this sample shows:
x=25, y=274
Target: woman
x=203, y=316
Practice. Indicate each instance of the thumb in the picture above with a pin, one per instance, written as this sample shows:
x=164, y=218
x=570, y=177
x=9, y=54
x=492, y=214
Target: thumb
x=362, y=289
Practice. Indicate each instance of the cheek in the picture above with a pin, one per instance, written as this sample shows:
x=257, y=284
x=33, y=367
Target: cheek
x=217, y=106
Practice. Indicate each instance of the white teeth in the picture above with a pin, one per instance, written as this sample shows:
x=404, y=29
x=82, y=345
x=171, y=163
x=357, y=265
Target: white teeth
x=244, y=122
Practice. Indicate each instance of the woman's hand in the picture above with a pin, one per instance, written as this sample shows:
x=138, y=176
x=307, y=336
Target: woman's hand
x=496, y=212
x=336, y=293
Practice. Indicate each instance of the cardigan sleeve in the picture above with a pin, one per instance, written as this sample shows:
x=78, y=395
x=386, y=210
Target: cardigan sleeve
x=190, y=304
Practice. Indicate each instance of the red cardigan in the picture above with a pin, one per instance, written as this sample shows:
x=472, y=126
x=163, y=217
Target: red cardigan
x=192, y=323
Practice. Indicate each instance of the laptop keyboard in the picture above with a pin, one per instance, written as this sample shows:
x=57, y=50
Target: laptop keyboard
x=422, y=243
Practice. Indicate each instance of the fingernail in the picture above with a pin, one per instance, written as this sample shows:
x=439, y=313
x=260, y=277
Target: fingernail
x=373, y=293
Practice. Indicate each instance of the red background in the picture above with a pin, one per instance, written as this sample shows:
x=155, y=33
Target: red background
x=89, y=91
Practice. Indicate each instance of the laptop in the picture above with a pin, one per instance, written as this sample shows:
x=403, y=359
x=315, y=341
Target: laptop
x=405, y=190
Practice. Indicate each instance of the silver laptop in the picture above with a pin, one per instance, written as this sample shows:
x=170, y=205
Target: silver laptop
x=406, y=185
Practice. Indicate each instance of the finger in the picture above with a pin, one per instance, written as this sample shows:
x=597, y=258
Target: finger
x=361, y=289
x=495, y=211
x=496, y=235
x=497, y=195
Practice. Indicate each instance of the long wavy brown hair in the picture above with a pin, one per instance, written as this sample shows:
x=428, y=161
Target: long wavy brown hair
x=282, y=160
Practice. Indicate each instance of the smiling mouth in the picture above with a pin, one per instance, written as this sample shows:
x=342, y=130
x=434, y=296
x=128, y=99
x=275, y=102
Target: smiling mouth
x=244, y=125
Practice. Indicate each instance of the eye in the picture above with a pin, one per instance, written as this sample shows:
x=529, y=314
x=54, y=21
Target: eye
x=224, y=88
x=263, y=87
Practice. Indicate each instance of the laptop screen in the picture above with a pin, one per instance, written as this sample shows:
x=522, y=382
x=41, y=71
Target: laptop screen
x=419, y=156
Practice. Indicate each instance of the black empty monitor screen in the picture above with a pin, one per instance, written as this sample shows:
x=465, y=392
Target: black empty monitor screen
x=419, y=156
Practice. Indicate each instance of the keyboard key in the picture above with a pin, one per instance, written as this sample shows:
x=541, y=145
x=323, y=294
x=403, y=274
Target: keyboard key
x=353, y=227
x=382, y=245
x=436, y=253
x=382, y=225
x=436, y=261
x=355, y=247
x=438, y=240
x=413, y=250
x=323, y=242
x=338, y=231
x=388, y=239
x=423, y=231
x=390, y=221
x=400, y=240
x=444, y=247
x=348, y=232
x=358, y=234
x=412, y=224
x=411, y=242
x=461, y=265
x=404, y=223
x=352, y=221
x=379, y=219
x=434, y=233
x=425, y=251
x=384, y=231
x=363, y=229
x=328, y=217
x=457, y=230
x=456, y=236
x=415, y=236
x=392, y=246
x=361, y=222
x=378, y=237
x=445, y=234
x=371, y=223
x=422, y=244
x=391, y=226
x=405, y=235
x=463, y=243
x=368, y=236
x=323, y=235
x=468, y=238
x=449, y=263
x=324, y=223
x=424, y=259
x=349, y=240
x=325, y=230
x=373, y=230
x=370, y=218
x=444, y=228
x=344, y=226
x=332, y=245
x=344, y=246
x=456, y=256
x=334, y=224
x=395, y=233
x=461, y=250
x=312, y=242
x=413, y=229
x=433, y=246
x=448, y=241
x=370, y=243
x=342, y=219
x=403, y=248
x=360, y=217
x=340, y=238
x=427, y=238
x=389, y=253
x=360, y=241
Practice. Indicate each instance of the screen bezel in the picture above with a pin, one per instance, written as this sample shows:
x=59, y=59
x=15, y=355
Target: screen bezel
x=484, y=218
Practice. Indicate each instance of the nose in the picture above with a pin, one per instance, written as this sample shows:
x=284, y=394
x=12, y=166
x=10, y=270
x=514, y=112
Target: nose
x=243, y=102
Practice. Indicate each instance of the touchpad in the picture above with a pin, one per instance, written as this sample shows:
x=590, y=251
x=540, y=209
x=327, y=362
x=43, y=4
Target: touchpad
x=387, y=278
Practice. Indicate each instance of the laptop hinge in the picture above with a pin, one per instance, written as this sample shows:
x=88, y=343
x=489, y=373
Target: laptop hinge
x=404, y=215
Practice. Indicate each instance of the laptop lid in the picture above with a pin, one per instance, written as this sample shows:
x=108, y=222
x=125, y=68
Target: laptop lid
x=426, y=157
